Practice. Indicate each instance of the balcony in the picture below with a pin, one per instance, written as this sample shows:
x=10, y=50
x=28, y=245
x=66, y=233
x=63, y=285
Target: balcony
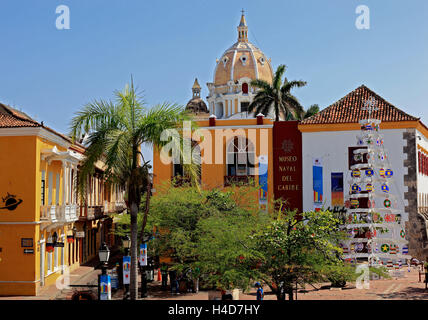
x=59, y=214
x=120, y=206
x=238, y=180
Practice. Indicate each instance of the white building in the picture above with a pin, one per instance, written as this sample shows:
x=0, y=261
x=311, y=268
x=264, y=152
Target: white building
x=327, y=137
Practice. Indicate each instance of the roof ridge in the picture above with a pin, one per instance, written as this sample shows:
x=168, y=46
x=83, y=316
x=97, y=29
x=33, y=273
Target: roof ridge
x=13, y=113
x=348, y=109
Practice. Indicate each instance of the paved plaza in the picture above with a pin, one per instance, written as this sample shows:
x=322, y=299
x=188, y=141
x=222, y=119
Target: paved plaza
x=406, y=288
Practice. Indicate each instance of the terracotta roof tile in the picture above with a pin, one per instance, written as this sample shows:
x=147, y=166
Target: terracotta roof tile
x=12, y=118
x=349, y=110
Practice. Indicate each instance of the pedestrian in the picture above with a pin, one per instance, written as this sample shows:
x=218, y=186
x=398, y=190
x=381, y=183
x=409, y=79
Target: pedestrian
x=173, y=281
x=164, y=274
x=260, y=293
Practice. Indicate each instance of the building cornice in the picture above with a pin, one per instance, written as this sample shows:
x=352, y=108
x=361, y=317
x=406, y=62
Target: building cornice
x=357, y=126
x=35, y=131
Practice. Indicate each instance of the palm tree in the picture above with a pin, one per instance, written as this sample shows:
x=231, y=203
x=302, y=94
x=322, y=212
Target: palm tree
x=312, y=110
x=115, y=133
x=277, y=96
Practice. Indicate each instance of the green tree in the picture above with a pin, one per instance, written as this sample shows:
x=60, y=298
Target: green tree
x=116, y=131
x=298, y=249
x=205, y=230
x=312, y=110
x=277, y=96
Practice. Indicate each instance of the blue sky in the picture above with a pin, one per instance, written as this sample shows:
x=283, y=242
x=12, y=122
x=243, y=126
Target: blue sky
x=50, y=73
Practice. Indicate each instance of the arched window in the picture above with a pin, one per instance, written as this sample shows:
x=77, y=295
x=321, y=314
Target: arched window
x=180, y=171
x=245, y=88
x=240, y=157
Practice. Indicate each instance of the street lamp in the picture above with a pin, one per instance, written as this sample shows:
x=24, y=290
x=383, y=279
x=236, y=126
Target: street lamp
x=104, y=255
x=126, y=242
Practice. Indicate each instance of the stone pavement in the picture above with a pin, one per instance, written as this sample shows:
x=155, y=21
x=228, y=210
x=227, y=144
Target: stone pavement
x=84, y=274
x=407, y=288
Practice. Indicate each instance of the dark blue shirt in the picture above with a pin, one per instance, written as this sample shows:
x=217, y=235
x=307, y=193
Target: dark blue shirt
x=259, y=294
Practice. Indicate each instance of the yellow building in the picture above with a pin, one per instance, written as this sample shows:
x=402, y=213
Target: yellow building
x=39, y=209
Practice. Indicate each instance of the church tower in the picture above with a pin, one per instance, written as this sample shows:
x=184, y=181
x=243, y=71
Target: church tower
x=230, y=94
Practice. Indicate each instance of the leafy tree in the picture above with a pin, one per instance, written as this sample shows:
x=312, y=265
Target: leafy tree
x=298, y=249
x=205, y=230
x=116, y=131
x=312, y=110
x=277, y=96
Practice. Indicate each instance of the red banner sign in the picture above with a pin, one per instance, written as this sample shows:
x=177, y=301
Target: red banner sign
x=287, y=163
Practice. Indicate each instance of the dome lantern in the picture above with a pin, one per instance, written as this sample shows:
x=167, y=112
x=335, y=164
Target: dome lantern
x=242, y=29
x=196, y=89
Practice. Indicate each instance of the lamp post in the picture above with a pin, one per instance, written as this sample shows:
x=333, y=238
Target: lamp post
x=126, y=242
x=145, y=268
x=104, y=255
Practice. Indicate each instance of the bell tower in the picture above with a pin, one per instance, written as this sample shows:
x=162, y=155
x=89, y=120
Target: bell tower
x=242, y=29
x=196, y=89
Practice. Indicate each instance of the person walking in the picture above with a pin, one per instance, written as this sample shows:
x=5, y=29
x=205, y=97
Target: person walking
x=164, y=275
x=173, y=281
x=260, y=293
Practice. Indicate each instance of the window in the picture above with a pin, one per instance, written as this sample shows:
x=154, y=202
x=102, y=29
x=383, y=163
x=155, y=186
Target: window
x=179, y=170
x=244, y=89
x=245, y=105
x=240, y=157
x=43, y=188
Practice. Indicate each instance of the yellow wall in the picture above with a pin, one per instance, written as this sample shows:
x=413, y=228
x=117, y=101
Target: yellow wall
x=212, y=175
x=20, y=175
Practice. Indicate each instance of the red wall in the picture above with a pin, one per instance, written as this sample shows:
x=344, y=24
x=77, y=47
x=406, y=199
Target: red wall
x=287, y=163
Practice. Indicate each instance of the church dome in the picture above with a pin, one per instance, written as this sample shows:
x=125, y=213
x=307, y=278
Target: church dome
x=242, y=60
x=196, y=104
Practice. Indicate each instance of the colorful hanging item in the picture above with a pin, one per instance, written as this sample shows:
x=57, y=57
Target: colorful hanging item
x=385, y=188
x=355, y=173
x=369, y=187
x=49, y=247
x=355, y=188
x=387, y=203
x=369, y=172
x=384, y=248
x=382, y=173
x=402, y=233
x=405, y=249
x=375, y=217
x=389, y=173
x=355, y=203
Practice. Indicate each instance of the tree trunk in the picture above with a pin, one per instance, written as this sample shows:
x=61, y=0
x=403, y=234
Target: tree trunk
x=146, y=211
x=290, y=294
x=133, y=286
